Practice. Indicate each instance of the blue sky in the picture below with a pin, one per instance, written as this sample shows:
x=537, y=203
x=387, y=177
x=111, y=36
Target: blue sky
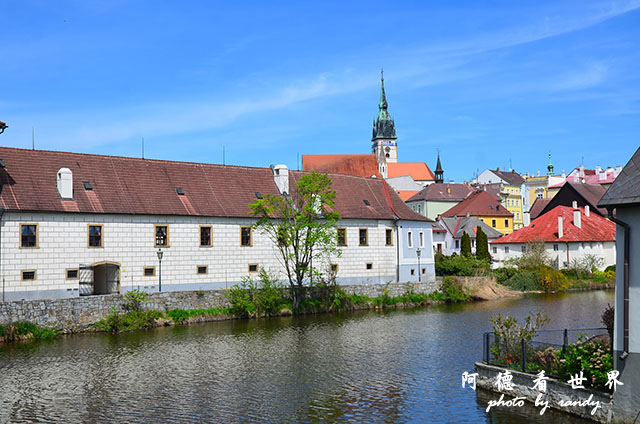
x=488, y=83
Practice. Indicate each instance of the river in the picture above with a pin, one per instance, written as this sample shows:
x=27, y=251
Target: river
x=396, y=366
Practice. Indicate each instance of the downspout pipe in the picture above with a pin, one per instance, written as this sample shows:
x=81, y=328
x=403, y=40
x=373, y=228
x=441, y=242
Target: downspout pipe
x=625, y=278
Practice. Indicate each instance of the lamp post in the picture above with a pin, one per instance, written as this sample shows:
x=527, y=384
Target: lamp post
x=418, y=255
x=160, y=253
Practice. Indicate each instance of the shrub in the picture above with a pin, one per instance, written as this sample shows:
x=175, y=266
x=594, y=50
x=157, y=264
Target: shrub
x=453, y=290
x=503, y=274
x=585, y=265
x=250, y=298
x=465, y=245
x=610, y=268
x=24, y=330
x=550, y=279
x=523, y=280
x=180, y=315
x=482, y=246
x=535, y=256
x=458, y=265
x=592, y=357
x=135, y=298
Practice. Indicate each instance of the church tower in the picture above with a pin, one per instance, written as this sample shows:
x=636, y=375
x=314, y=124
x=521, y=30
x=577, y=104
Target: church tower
x=439, y=171
x=384, y=144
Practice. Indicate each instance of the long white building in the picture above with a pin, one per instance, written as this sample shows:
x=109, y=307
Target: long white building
x=77, y=224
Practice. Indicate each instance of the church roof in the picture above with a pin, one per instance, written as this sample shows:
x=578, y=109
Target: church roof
x=419, y=171
x=359, y=165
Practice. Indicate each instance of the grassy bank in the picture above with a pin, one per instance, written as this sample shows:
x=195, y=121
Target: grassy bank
x=265, y=298
x=25, y=331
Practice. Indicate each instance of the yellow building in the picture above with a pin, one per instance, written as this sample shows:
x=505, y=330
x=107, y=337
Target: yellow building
x=487, y=208
x=509, y=185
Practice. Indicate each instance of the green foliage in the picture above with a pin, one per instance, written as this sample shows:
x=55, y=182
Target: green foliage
x=540, y=277
x=550, y=279
x=610, y=268
x=453, y=290
x=117, y=322
x=264, y=298
x=593, y=357
x=586, y=265
x=135, y=298
x=503, y=274
x=482, y=246
x=460, y=266
x=180, y=315
x=509, y=333
x=24, y=330
x=302, y=226
x=465, y=245
x=534, y=257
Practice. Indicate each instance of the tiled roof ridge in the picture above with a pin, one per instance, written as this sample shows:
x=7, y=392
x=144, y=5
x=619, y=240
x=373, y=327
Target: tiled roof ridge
x=129, y=158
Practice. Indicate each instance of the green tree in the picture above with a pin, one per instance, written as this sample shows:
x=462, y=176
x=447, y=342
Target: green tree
x=465, y=245
x=302, y=227
x=482, y=245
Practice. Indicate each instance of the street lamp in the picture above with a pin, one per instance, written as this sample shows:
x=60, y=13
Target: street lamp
x=418, y=254
x=160, y=253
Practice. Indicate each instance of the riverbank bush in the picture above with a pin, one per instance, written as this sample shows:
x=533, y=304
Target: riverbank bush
x=180, y=315
x=266, y=297
x=459, y=265
x=23, y=330
x=117, y=322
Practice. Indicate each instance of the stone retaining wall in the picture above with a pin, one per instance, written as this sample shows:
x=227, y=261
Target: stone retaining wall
x=78, y=313
x=557, y=392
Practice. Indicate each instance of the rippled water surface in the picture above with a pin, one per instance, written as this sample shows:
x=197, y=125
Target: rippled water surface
x=395, y=367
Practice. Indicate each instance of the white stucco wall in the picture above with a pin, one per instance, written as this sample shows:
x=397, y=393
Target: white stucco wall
x=128, y=240
x=606, y=250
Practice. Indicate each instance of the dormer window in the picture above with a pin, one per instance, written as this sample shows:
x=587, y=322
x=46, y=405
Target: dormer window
x=180, y=191
x=87, y=185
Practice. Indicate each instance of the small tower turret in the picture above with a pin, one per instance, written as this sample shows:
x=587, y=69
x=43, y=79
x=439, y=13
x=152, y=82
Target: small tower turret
x=550, y=166
x=384, y=133
x=439, y=172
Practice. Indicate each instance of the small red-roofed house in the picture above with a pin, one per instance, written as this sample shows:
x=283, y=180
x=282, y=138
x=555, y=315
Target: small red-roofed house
x=487, y=208
x=568, y=234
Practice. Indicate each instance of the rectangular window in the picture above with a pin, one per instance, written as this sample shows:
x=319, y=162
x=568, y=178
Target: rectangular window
x=364, y=237
x=493, y=223
x=413, y=271
x=421, y=238
x=506, y=223
x=524, y=249
x=409, y=239
x=342, y=236
x=253, y=267
x=95, y=235
x=555, y=247
x=162, y=235
x=28, y=235
x=495, y=249
x=388, y=237
x=334, y=267
x=149, y=271
x=457, y=244
x=245, y=236
x=28, y=274
x=72, y=274
x=205, y=236
x=424, y=271
x=369, y=265
x=506, y=249
x=202, y=269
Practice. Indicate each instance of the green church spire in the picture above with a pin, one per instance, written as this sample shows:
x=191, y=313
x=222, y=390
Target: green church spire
x=383, y=126
x=550, y=166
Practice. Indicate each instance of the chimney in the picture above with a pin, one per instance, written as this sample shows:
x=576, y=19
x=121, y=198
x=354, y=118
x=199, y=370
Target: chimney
x=576, y=219
x=598, y=169
x=586, y=210
x=281, y=178
x=449, y=190
x=498, y=170
x=574, y=204
x=560, y=234
x=65, y=183
x=602, y=176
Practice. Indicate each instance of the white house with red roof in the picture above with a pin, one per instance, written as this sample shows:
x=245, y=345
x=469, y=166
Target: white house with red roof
x=567, y=232
x=77, y=224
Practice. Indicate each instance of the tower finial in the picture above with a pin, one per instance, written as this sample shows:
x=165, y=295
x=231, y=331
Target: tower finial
x=381, y=74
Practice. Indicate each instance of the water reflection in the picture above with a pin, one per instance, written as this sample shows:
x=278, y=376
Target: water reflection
x=394, y=366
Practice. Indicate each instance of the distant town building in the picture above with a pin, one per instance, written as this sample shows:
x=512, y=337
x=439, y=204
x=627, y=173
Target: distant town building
x=435, y=199
x=567, y=233
x=455, y=227
x=510, y=185
x=485, y=207
x=583, y=194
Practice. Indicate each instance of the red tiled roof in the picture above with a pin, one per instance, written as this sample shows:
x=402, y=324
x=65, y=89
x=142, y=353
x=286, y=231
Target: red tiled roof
x=419, y=171
x=124, y=185
x=407, y=194
x=545, y=228
x=359, y=165
x=453, y=192
x=480, y=203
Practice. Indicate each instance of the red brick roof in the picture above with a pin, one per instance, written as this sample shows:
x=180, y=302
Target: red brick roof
x=480, y=203
x=452, y=192
x=419, y=171
x=359, y=165
x=545, y=228
x=124, y=185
